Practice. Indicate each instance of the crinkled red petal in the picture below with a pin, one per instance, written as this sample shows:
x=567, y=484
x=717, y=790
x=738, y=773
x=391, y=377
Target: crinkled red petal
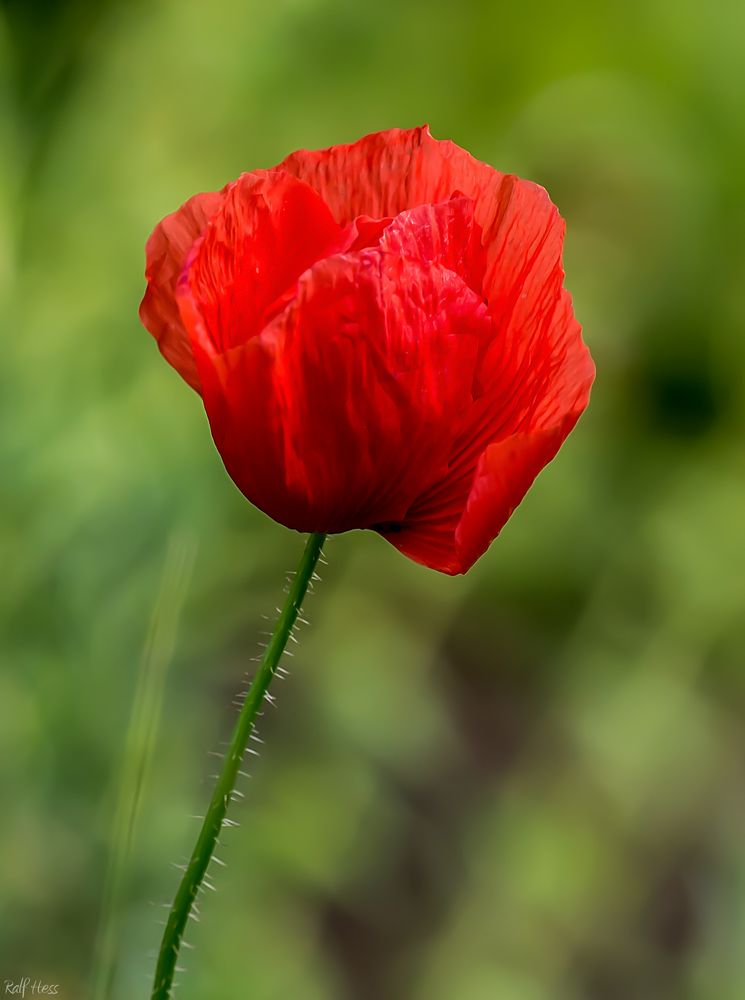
x=165, y=253
x=388, y=172
x=532, y=384
x=339, y=414
x=268, y=230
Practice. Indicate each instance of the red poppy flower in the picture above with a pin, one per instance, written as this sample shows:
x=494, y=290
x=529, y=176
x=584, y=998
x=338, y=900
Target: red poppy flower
x=381, y=338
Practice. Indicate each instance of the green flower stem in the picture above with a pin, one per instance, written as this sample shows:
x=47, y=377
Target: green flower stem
x=214, y=820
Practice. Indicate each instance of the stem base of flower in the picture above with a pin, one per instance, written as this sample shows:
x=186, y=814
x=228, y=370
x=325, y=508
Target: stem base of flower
x=216, y=814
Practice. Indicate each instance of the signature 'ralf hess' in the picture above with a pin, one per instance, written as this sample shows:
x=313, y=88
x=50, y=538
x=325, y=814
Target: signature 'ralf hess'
x=381, y=338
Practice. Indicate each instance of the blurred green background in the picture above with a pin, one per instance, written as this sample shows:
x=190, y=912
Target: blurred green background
x=522, y=784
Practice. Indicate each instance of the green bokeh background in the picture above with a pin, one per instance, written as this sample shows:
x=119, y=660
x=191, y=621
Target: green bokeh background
x=523, y=784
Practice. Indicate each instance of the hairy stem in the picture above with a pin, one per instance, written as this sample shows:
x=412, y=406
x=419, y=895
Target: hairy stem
x=218, y=807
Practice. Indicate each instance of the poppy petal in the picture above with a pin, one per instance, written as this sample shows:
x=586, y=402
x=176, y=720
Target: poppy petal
x=446, y=234
x=505, y=473
x=366, y=232
x=532, y=387
x=450, y=534
x=537, y=368
x=453, y=524
x=387, y=172
x=268, y=230
x=532, y=384
x=337, y=415
x=166, y=252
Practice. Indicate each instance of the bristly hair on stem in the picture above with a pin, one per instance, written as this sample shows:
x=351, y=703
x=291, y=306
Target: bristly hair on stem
x=216, y=819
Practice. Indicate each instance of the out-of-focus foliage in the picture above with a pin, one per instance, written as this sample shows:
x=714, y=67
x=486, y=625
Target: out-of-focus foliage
x=523, y=784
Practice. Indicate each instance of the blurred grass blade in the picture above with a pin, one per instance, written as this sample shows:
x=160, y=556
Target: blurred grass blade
x=138, y=750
